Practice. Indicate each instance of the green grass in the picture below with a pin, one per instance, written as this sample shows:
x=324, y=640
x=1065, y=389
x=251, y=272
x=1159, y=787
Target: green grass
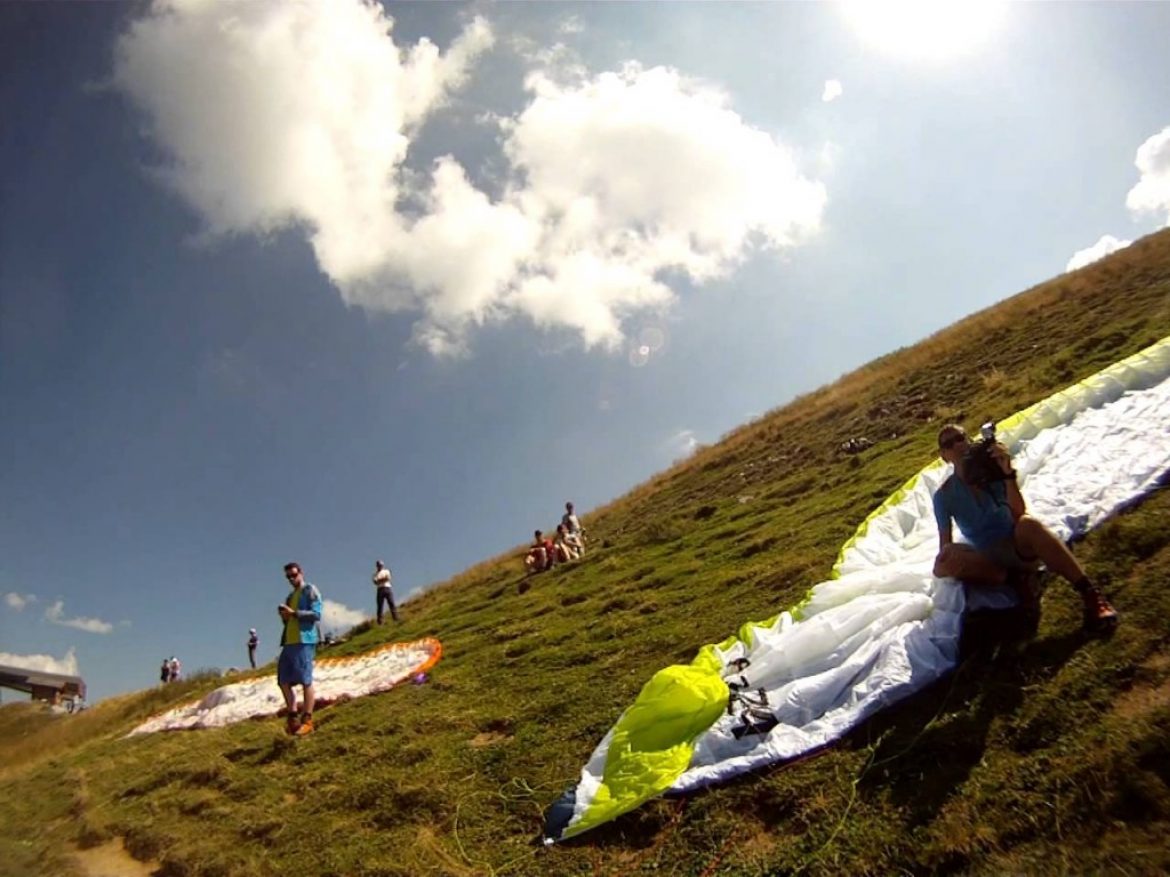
x=1050, y=757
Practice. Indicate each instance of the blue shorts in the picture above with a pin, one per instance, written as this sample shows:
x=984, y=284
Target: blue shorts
x=295, y=666
x=1003, y=552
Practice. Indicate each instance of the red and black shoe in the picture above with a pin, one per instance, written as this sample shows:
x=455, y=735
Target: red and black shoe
x=1100, y=616
x=292, y=720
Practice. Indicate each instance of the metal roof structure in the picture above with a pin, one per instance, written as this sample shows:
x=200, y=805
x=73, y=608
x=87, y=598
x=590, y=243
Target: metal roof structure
x=41, y=685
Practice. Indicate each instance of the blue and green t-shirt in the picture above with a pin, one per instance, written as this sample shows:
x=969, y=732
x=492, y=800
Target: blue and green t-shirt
x=982, y=516
x=300, y=628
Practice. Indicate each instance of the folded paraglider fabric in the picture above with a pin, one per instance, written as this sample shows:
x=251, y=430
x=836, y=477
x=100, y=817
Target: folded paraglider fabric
x=333, y=679
x=882, y=627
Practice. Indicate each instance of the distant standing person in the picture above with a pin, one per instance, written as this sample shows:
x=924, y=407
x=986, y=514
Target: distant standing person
x=164, y=673
x=176, y=670
x=253, y=641
x=572, y=525
x=300, y=612
x=384, y=589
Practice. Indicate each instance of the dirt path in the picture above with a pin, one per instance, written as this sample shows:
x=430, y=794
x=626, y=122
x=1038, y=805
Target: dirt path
x=111, y=860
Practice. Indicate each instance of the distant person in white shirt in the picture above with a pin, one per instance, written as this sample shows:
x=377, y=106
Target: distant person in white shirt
x=568, y=546
x=384, y=589
x=176, y=670
x=253, y=641
x=573, y=528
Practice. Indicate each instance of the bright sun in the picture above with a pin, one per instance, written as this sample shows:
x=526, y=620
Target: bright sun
x=929, y=30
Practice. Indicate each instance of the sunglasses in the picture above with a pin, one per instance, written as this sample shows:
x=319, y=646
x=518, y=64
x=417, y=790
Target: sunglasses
x=950, y=441
x=291, y=576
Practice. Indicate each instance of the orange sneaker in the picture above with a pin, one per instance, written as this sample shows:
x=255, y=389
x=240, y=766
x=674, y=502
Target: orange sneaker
x=305, y=727
x=1100, y=616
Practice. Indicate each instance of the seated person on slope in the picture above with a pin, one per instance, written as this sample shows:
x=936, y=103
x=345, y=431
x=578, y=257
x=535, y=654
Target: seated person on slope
x=540, y=554
x=1006, y=544
x=566, y=545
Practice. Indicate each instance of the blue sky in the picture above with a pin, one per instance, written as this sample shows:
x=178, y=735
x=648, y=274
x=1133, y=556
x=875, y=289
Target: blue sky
x=334, y=282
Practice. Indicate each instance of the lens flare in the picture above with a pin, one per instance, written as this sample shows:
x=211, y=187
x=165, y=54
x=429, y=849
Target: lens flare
x=639, y=355
x=653, y=337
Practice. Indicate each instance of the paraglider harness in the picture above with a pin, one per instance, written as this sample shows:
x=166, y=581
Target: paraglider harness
x=752, y=707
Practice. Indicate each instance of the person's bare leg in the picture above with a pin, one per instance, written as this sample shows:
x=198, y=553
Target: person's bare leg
x=310, y=699
x=965, y=563
x=1033, y=539
x=292, y=721
x=290, y=698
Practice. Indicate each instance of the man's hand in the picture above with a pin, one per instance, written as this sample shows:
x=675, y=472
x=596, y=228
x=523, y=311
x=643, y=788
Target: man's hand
x=1000, y=454
x=285, y=612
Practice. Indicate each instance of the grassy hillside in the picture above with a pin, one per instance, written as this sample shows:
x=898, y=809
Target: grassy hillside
x=1052, y=757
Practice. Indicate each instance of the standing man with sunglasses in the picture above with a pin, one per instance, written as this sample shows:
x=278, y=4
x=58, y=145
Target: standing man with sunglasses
x=300, y=612
x=1005, y=542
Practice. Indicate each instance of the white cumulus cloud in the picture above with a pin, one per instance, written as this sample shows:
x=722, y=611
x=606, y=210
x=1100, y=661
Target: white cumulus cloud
x=633, y=173
x=1152, y=192
x=18, y=601
x=682, y=444
x=338, y=617
x=56, y=614
x=301, y=115
x=833, y=90
x=66, y=666
x=278, y=114
x=1106, y=245
x=571, y=25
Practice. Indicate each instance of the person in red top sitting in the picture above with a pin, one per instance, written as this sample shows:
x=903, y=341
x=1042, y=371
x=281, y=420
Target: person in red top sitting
x=541, y=555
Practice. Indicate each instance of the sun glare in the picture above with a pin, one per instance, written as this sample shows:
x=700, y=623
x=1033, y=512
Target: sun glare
x=928, y=30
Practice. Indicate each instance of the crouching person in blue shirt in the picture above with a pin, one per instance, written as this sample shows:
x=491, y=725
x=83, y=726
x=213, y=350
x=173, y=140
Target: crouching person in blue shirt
x=300, y=612
x=1006, y=545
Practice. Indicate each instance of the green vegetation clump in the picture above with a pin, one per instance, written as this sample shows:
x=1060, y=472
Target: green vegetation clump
x=1049, y=756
